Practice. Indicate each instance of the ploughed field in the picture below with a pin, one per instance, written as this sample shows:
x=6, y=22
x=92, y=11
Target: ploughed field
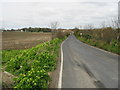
x=23, y=40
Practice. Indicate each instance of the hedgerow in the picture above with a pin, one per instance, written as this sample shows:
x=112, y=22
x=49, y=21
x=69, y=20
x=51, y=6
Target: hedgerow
x=112, y=47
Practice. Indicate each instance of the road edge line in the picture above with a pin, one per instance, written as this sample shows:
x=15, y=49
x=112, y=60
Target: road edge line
x=114, y=54
x=61, y=67
x=100, y=49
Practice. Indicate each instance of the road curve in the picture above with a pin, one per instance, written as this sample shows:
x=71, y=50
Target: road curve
x=87, y=67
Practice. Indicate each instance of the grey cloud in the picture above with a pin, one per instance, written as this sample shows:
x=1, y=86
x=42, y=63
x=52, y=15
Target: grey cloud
x=68, y=14
x=96, y=3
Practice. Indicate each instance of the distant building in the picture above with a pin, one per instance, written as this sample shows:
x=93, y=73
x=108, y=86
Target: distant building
x=21, y=30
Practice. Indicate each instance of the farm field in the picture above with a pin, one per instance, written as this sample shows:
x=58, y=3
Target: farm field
x=23, y=40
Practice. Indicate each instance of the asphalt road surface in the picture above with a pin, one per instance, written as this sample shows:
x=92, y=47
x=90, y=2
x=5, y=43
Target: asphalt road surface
x=87, y=67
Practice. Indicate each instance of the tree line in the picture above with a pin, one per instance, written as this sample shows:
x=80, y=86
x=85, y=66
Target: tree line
x=30, y=29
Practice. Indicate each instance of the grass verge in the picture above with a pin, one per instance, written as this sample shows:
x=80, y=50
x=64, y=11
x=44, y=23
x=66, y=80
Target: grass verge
x=31, y=66
x=114, y=46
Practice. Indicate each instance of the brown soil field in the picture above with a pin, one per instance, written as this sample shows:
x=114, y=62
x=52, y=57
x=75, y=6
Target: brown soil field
x=23, y=40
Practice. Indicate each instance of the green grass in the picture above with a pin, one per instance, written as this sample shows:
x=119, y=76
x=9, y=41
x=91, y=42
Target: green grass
x=8, y=54
x=112, y=47
x=31, y=66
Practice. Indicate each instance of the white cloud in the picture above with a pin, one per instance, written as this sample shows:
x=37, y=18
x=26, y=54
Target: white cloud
x=69, y=14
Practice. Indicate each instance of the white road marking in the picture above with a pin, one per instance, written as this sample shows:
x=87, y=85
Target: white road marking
x=61, y=67
x=111, y=53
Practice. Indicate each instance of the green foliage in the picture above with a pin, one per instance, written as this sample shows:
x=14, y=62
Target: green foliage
x=106, y=34
x=30, y=29
x=8, y=54
x=35, y=78
x=105, y=38
x=32, y=65
x=87, y=36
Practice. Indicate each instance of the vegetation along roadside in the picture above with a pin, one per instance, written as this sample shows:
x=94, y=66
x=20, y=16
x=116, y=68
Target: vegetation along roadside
x=105, y=39
x=31, y=66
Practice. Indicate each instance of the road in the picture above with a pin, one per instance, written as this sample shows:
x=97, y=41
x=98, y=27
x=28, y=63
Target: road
x=87, y=67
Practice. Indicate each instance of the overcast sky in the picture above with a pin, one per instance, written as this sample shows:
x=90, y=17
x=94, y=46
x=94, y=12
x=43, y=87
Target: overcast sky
x=69, y=13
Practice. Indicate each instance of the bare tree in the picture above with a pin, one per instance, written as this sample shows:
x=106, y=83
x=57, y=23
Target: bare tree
x=89, y=26
x=115, y=23
x=116, y=27
x=54, y=26
x=103, y=25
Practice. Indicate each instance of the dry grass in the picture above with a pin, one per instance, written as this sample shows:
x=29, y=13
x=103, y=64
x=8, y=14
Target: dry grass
x=7, y=80
x=23, y=40
x=106, y=34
